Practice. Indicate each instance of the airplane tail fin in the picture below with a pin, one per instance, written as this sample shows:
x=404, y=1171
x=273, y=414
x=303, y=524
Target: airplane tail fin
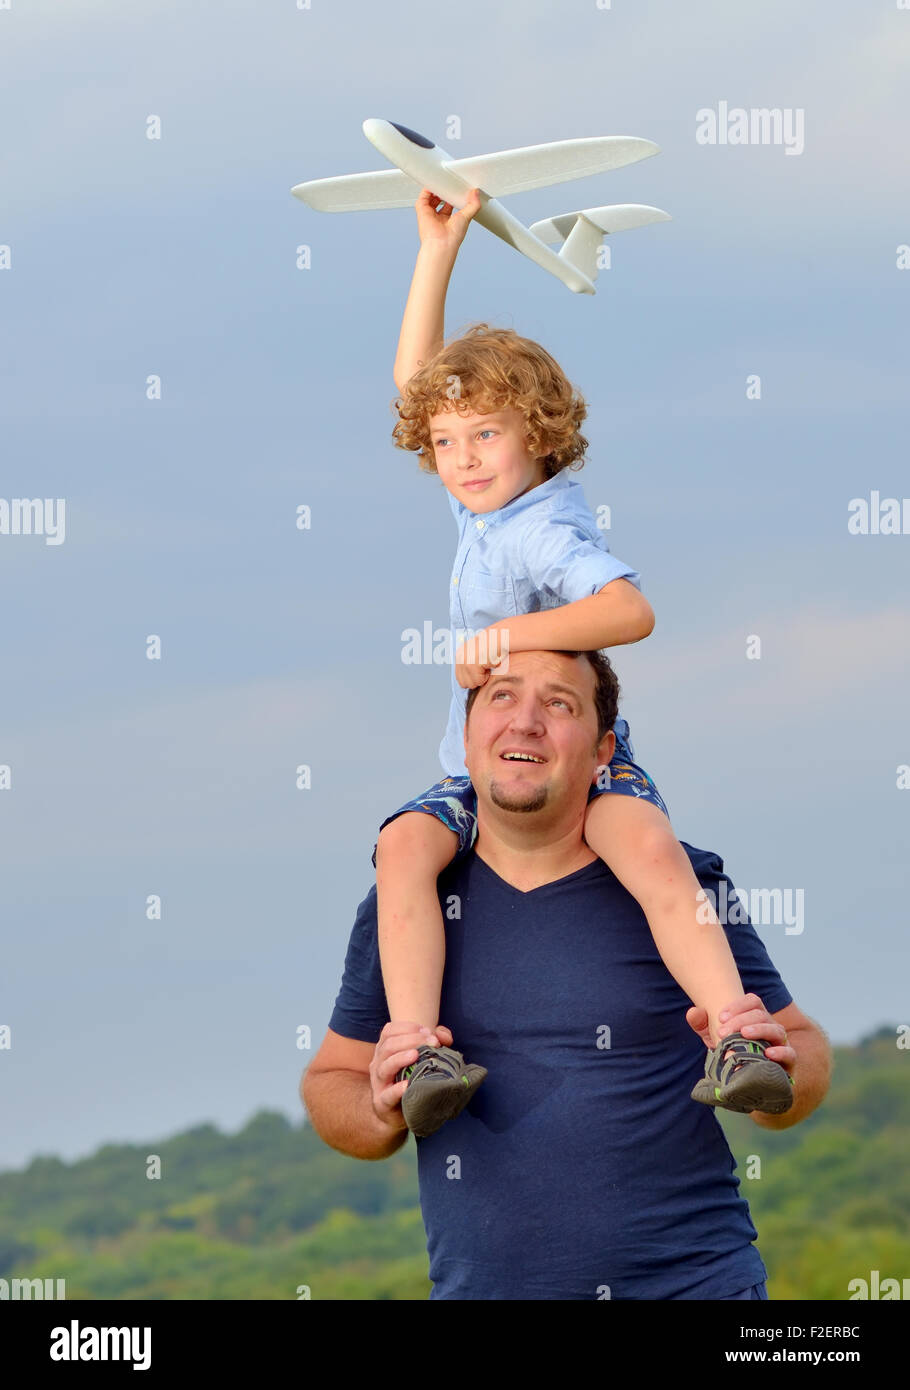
x=582, y=232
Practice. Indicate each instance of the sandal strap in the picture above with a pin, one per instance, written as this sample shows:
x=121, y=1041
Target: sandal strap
x=742, y=1050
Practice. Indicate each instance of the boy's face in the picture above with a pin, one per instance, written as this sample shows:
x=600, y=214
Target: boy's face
x=483, y=460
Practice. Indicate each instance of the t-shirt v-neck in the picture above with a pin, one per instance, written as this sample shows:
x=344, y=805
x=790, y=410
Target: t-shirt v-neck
x=595, y=864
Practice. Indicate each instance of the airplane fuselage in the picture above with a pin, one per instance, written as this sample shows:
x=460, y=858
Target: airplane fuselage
x=426, y=163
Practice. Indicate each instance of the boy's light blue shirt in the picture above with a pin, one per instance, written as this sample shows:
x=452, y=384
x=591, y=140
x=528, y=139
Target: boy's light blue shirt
x=540, y=551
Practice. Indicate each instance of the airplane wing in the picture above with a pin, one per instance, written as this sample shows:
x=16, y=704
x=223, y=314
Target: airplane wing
x=385, y=188
x=537, y=166
x=507, y=171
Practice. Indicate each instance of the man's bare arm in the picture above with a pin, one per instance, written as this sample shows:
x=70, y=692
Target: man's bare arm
x=811, y=1069
x=350, y=1091
x=340, y=1108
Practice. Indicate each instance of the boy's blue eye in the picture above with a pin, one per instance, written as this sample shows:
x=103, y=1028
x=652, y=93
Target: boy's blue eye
x=445, y=439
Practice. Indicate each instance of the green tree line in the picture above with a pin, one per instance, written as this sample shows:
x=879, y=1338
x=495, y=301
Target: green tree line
x=272, y=1213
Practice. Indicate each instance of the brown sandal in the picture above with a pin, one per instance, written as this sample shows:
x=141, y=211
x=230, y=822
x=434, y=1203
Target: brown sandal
x=745, y=1080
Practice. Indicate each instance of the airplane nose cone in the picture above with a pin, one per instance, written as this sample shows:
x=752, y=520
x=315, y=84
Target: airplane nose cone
x=379, y=133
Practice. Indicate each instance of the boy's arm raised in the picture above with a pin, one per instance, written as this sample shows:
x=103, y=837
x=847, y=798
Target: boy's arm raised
x=423, y=327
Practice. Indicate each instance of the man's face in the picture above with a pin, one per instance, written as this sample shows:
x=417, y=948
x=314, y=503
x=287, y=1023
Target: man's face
x=483, y=460
x=531, y=737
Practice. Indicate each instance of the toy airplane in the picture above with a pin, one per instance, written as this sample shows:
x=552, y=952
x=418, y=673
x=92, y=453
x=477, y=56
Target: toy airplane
x=421, y=164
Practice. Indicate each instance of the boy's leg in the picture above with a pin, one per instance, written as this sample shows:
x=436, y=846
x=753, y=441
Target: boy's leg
x=636, y=841
x=411, y=852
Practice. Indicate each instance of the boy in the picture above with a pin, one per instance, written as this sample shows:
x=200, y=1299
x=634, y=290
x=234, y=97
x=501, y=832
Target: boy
x=494, y=415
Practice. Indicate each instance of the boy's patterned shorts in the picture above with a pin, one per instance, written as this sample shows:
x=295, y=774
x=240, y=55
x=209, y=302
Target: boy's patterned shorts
x=454, y=802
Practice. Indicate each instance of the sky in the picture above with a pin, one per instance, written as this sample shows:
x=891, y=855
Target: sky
x=178, y=258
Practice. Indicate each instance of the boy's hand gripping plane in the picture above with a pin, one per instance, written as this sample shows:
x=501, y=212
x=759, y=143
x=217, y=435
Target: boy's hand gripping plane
x=421, y=164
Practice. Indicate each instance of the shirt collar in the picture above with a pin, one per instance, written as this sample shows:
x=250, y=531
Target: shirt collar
x=527, y=499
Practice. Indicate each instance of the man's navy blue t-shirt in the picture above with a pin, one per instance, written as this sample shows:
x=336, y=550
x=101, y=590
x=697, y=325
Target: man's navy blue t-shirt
x=581, y=1169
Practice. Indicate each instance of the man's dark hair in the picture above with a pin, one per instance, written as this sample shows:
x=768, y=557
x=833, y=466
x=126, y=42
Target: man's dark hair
x=606, y=692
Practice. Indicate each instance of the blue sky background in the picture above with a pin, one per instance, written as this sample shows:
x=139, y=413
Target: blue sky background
x=281, y=647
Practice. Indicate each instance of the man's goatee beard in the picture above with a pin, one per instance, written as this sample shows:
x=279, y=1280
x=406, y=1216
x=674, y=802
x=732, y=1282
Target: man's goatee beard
x=512, y=801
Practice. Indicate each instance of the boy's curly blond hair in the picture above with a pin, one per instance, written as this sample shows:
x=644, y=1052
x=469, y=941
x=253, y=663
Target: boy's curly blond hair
x=488, y=369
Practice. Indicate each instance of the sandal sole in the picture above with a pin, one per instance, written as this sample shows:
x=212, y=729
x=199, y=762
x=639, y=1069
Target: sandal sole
x=762, y=1089
x=435, y=1103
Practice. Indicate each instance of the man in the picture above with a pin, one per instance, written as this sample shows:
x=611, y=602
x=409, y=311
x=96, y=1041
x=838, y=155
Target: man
x=581, y=1168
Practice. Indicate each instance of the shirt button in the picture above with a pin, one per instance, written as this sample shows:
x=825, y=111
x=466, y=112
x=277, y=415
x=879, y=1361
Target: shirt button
x=480, y=525
x=455, y=581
